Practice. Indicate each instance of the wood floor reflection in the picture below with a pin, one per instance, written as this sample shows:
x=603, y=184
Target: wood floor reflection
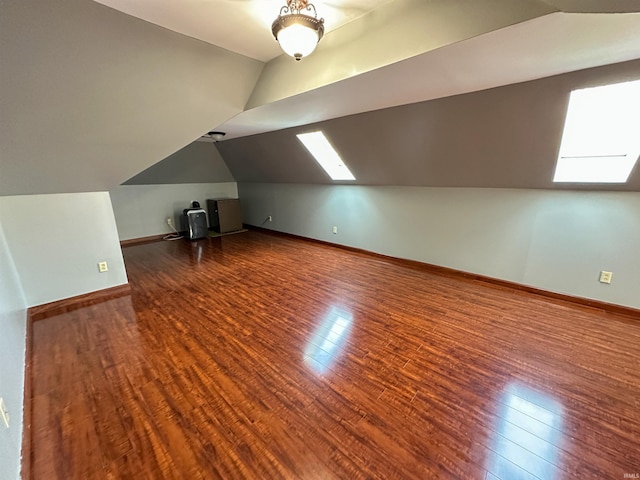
x=255, y=356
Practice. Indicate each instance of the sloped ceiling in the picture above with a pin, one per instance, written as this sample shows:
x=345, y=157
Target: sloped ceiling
x=241, y=26
x=595, y=6
x=545, y=46
x=198, y=162
x=505, y=137
x=91, y=96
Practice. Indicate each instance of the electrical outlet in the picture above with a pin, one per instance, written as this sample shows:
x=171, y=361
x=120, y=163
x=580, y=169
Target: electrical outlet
x=605, y=277
x=102, y=267
x=170, y=222
x=4, y=413
x=335, y=230
x=269, y=218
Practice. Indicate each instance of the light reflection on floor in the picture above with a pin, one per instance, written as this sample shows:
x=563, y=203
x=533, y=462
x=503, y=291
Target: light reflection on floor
x=528, y=436
x=195, y=254
x=328, y=341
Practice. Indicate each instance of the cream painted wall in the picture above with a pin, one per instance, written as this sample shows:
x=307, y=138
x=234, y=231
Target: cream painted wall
x=553, y=240
x=13, y=321
x=57, y=241
x=142, y=210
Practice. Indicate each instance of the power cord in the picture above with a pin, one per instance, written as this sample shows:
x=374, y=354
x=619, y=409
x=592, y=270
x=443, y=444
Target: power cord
x=172, y=236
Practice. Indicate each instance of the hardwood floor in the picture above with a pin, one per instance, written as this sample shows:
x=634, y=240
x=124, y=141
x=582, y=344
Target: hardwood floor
x=254, y=356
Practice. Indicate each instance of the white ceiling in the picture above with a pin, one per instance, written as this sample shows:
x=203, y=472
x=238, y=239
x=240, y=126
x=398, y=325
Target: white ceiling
x=242, y=26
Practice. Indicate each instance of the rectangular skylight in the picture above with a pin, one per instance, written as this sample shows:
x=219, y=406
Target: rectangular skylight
x=318, y=145
x=600, y=143
x=604, y=169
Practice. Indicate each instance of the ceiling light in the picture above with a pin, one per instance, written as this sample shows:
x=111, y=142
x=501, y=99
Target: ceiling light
x=318, y=145
x=600, y=142
x=298, y=33
x=216, y=136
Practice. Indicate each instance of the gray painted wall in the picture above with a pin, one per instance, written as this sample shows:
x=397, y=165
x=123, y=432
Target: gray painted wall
x=57, y=241
x=13, y=322
x=91, y=96
x=553, y=240
x=142, y=210
x=198, y=162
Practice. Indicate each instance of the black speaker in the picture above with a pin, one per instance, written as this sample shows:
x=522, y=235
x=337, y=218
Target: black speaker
x=224, y=214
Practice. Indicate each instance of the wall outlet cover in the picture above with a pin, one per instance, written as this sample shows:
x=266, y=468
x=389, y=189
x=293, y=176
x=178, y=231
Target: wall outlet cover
x=4, y=413
x=605, y=277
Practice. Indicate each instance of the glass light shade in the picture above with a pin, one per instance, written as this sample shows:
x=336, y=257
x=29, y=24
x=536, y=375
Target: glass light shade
x=298, y=34
x=298, y=40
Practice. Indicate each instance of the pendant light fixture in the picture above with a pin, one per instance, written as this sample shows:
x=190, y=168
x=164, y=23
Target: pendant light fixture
x=298, y=33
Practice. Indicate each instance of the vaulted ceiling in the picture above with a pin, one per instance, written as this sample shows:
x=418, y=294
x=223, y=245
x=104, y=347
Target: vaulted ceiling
x=91, y=96
x=504, y=137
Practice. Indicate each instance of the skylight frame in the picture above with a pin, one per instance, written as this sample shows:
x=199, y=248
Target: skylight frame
x=325, y=155
x=599, y=142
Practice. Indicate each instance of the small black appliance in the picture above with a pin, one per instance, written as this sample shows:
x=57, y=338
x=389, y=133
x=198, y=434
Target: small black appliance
x=195, y=221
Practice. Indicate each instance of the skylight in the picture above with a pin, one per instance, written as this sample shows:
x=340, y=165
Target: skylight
x=600, y=143
x=325, y=155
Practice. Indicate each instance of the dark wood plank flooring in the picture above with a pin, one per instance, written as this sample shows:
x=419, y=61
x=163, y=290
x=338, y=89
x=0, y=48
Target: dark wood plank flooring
x=256, y=356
